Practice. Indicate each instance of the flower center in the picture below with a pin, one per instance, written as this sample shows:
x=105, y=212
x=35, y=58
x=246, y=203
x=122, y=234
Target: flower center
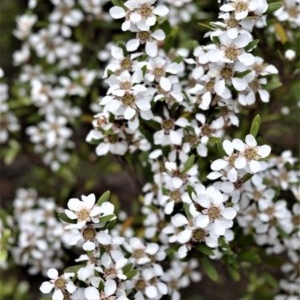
x=168, y=125
x=213, y=213
x=83, y=215
x=175, y=195
x=138, y=253
x=158, y=72
x=241, y=6
x=126, y=64
x=250, y=153
x=89, y=234
x=232, y=23
x=231, y=53
x=209, y=85
x=198, y=235
x=143, y=36
x=125, y=85
x=60, y=283
x=254, y=85
x=145, y=11
x=113, y=138
x=110, y=272
x=128, y=99
x=227, y=73
x=140, y=285
x=206, y=130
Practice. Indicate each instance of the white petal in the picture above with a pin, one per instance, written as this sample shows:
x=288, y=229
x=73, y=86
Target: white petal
x=110, y=287
x=240, y=162
x=214, y=175
x=151, y=292
x=52, y=273
x=219, y=164
x=169, y=207
x=219, y=87
x=250, y=140
x=88, y=246
x=117, y=12
x=46, y=287
x=229, y=213
x=184, y=236
x=89, y=200
x=129, y=113
x=102, y=149
x=58, y=295
x=151, y=49
x=165, y=84
x=70, y=214
x=177, y=182
x=159, y=35
x=240, y=84
x=264, y=151
x=255, y=166
x=132, y=45
x=264, y=95
x=176, y=137
x=232, y=175
x=247, y=59
x=202, y=221
x=228, y=147
x=238, y=144
x=91, y=293
x=179, y=220
x=161, y=10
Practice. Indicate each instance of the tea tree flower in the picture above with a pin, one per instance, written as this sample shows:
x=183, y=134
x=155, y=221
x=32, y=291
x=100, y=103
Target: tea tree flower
x=85, y=210
x=62, y=285
x=250, y=153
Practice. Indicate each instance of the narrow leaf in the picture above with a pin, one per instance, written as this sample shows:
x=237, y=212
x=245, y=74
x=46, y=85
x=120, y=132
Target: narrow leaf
x=255, y=125
x=204, y=249
x=189, y=163
x=273, y=7
x=209, y=269
x=104, y=197
x=63, y=217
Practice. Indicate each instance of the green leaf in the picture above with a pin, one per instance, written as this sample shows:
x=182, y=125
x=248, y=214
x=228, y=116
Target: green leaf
x=186, y=208
x=273, y=84
x=209, y=269
x=189, y=163
x=220, y=148
x=246, y=177
x=131, y=273
x=205, y=249
x=118, y=3
x=127, y=268
x=242, y=74
x=235, y=274
x=73, y=269
x=255, y=125
x=104, y=197
x=251, y=45
x=107, y=218
x=274, y=6
x=63, y=217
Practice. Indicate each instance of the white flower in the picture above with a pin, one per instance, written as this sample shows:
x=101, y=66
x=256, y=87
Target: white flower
x=139, y=15
x=61, y=284
x=149, y=39
x=249, y=154
x=241, y=8
x=212, y=211
x=85, y=210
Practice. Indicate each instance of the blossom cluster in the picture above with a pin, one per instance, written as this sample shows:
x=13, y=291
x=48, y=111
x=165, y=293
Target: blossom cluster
x=170, y=109
x=39, y=243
